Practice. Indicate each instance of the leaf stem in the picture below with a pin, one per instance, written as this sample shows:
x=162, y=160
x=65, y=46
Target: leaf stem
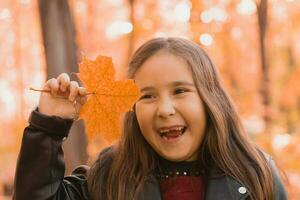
x=49, y=91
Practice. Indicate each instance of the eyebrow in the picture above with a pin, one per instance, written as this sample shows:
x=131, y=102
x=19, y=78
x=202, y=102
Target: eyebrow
x=175, y=83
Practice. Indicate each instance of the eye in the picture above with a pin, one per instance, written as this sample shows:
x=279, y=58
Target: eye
x=147, y=96
x=180, y=90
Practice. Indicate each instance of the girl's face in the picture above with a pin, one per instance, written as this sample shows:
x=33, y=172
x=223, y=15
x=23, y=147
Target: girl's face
x=170, y=112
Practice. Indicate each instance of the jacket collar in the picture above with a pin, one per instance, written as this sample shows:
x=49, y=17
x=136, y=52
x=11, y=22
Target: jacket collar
x=226, y=188
x=222, y=187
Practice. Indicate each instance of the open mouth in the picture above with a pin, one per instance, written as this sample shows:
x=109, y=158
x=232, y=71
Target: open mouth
x=172, y=132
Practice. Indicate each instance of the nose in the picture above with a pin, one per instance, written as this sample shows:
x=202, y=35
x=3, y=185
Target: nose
x=165, y=108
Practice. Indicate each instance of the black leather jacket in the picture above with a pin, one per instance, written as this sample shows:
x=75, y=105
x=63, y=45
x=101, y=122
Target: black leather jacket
x=40, y=169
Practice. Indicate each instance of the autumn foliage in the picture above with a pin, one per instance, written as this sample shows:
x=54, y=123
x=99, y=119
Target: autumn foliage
x=108, y=99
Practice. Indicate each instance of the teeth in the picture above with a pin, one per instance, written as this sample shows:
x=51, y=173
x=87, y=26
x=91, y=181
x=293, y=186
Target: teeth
x=172, y=129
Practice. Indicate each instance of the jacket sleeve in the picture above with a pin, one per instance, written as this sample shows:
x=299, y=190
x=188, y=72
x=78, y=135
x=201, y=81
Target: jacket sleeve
x=40, y=167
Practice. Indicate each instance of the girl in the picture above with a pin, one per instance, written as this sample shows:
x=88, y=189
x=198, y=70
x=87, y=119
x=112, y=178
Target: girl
x=183, y=140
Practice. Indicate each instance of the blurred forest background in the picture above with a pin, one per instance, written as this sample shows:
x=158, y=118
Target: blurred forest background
x=255, y=44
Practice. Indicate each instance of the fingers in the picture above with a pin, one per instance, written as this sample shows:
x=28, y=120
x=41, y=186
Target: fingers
x=63, y=81
x=74, y=90
x=52, y=84
x=82, y=91
x=82, y=99
x=62, y=86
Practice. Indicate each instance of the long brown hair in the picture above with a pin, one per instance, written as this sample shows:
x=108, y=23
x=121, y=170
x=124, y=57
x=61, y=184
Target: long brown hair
x=121, y=172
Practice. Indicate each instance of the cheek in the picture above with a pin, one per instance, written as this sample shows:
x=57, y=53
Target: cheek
x=145, y=127
x=192, y=103
x=144, y=118
x=194, y=113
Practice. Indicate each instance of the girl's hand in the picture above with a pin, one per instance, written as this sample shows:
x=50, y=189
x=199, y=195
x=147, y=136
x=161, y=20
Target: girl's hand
x=64, y=99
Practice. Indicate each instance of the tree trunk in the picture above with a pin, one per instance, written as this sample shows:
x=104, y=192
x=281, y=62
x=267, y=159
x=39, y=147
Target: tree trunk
x=61, y=56
x=196, y=25
x=262, y=9
x=132, y=34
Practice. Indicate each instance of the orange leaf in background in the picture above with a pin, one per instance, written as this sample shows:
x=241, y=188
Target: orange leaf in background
x=110, y=98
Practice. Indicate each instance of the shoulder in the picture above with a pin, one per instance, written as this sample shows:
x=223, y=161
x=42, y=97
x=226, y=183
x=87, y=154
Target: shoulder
x=280, y=192
x=103, y=162
x=81, y=171
x=75, y=185
x=108, y=151
x=106, y=156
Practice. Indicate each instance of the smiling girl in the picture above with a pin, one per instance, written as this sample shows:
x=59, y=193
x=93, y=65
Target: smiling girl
x=183, y=140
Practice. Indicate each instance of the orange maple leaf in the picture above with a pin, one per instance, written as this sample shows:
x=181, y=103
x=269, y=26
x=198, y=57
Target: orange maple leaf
x=109, y=98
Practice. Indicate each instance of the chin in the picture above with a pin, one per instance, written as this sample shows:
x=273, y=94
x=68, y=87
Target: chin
x=176, y=158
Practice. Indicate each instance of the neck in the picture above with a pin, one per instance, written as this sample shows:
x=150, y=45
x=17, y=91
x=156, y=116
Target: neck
x=166, y=168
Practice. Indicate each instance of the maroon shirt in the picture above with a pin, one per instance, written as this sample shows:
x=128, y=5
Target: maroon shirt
x=182, y=180
x=182, y=188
